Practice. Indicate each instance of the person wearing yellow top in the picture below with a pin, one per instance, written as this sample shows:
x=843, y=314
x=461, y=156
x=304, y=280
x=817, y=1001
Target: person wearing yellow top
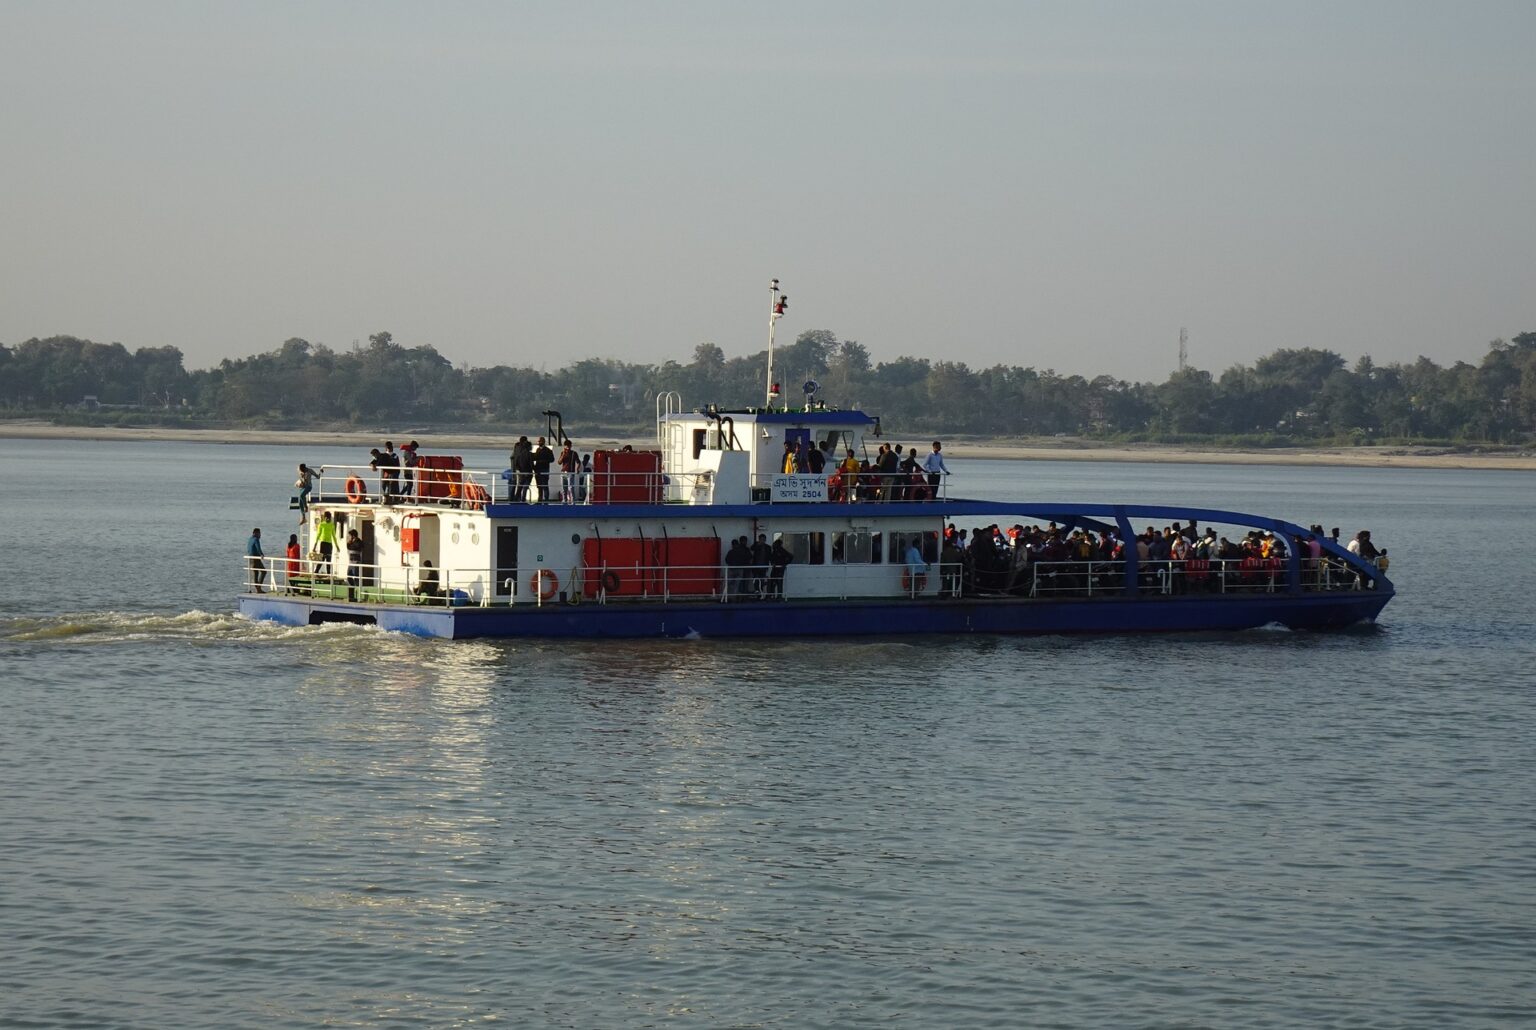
x=325, y=540
x=850, y=470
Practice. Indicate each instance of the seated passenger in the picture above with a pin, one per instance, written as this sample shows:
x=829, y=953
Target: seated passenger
x=430, y=585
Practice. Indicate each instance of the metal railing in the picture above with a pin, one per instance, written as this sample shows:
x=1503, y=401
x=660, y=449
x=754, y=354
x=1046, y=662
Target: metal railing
x=322, y=579
x=611, y=584
x=474, y=489
x=1186, y=576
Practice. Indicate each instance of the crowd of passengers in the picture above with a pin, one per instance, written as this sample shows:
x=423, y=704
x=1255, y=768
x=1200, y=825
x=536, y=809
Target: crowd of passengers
x=896, y=473
x=1177, y=559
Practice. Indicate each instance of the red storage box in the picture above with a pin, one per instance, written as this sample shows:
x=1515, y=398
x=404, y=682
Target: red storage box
x=626, y=477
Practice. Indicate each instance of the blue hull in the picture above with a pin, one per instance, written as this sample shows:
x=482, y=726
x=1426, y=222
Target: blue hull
x=839, y=618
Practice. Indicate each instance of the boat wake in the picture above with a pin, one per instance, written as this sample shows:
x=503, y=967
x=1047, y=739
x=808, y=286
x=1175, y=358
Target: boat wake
x=195, y=627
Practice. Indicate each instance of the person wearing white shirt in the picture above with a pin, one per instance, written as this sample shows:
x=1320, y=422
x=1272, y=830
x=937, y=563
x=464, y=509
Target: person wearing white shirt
x=933, y=464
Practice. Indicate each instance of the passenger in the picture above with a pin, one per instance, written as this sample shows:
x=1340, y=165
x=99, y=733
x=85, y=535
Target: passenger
x=306, y=485
x=1362, y=546
x=295, y=557
x=376, y=462
x=850, y=470
x=570, y=468
x=762, y=557
x=886, y=466
x=522, y=468
x=354, y=564
x=779, y=559
x=736, y=561
x=917, y=569
x=585, y=478
x=543, y=458
x=911, y=480
x=255, y=561
x=951, y=563
x=325, y=542
x=934, y=465
x=389, y=474
x=430, y=586
x=409, y=459
x=816, y=461
x=802, y=459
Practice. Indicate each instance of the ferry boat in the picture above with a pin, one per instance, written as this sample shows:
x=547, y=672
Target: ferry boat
x=647, y=544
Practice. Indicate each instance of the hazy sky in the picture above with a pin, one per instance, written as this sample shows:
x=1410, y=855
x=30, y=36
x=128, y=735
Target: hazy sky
x=1060, y=185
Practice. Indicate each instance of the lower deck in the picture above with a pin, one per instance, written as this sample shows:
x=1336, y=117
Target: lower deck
x=1106, y=613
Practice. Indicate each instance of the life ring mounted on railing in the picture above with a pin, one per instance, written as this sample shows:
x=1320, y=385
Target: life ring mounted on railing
x=544, y=584
x=357, y=492
x=611, y=582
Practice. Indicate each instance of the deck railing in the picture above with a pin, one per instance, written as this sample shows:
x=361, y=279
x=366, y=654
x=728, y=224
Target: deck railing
x=614, y=584
x=1186, y=576
x=474, y=489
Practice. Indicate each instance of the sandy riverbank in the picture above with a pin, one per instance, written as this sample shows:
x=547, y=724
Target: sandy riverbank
x=1065, y=450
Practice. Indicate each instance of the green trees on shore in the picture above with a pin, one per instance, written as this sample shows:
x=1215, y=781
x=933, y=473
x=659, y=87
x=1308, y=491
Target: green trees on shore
x=1292, y=395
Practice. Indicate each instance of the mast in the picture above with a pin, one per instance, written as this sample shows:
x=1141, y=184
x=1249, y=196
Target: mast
x=779, y=303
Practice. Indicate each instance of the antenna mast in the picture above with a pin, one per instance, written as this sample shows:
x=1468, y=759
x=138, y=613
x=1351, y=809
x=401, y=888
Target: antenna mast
x=779, y=304
x=1183, y=349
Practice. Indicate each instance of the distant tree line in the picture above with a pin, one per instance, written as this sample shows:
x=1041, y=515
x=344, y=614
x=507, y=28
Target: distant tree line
x=1291, y=395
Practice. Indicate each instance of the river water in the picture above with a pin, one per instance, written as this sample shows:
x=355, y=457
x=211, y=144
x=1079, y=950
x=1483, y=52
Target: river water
x=207, y=822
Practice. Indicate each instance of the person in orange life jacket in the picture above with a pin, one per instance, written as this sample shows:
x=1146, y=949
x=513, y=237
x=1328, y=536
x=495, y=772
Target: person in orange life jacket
x=295, y=556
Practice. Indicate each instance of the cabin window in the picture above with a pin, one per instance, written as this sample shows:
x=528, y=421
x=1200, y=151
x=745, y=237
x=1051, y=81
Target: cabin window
x=927, y=543
x=807, y=548
x=859, y=547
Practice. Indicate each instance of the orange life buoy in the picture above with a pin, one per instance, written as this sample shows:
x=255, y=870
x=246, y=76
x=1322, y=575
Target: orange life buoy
x=611, y=582
x=545, y=584
x=356, y=491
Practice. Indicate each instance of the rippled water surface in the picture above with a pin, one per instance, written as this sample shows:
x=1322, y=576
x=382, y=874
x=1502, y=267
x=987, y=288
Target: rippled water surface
x=211, y=823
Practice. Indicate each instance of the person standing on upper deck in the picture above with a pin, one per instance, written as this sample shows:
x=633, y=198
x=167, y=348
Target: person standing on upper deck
x=522, y=468
x=409, y=459
x=570, y=466
x=933, y=464
x=543, y=458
